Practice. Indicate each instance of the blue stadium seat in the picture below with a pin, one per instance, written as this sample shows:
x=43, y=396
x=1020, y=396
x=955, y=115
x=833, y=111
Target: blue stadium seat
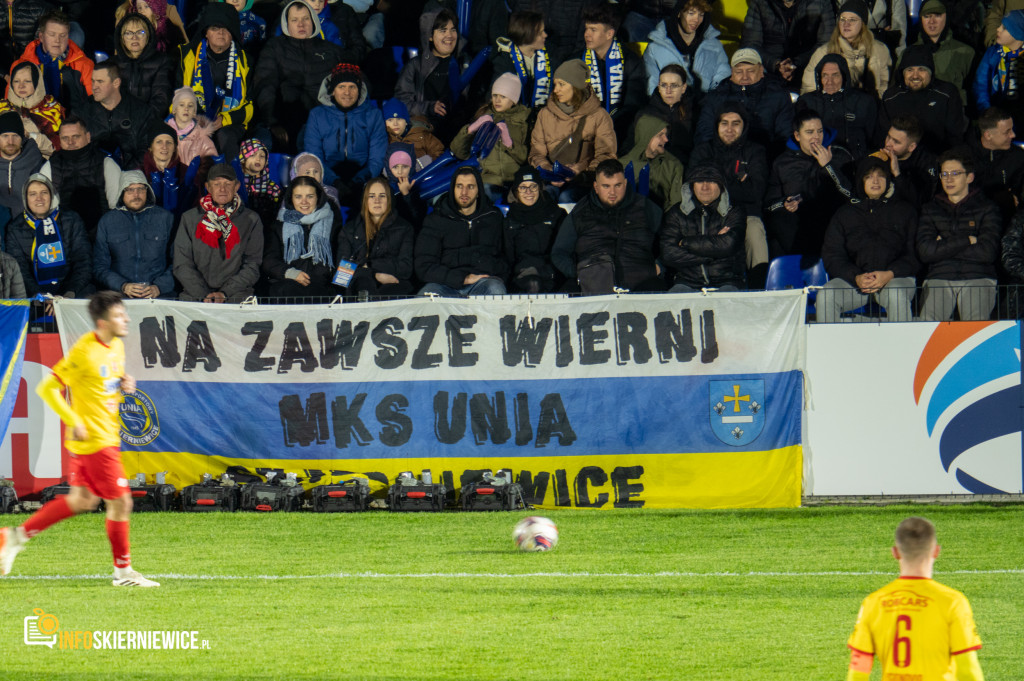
x=279, y=167
x=785, y=273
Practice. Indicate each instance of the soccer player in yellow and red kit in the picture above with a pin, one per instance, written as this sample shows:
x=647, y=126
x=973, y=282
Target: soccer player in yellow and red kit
x=93, y=372
x=919, y=629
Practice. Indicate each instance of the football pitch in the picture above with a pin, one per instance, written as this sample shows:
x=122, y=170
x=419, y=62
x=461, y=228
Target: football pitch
x=625, y=595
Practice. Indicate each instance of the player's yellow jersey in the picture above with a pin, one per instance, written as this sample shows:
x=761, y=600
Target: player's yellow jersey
x=93, y=370
x=915, y=626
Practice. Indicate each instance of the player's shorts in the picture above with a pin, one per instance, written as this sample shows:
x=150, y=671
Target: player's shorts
x=102, y=473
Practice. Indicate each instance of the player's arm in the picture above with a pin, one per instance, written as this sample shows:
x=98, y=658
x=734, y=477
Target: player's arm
x=967, y=666
x=860, y=666
x=49, y=390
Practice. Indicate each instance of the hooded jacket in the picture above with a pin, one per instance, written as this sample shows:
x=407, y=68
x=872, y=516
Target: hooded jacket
x=134, y=246
x=147, y=76
x=500, y=165
x=703, y=245
x=741, y=159
x=937, y=106
x=680, y=119
x=953, y=257
x=871, y=235
x=122, y=131
x=953, y=59
x=554, y=125
x=291, y=71
x=708, y=66
x=666, y=173
x=411, y=81
x=201, y=270
x=219, y=14
x=989, y=87
x=452, y=245
x=867, y=72
x=21, y=237
x=766, y=29
x=356, y=137
x=40, y=113
x=15, y=174
x=768, y=104
x=852, y=113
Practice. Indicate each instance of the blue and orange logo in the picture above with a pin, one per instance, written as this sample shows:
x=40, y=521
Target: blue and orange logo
x=968, y=380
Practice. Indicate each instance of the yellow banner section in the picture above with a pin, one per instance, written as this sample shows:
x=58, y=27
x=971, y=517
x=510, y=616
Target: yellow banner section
x=769, y=479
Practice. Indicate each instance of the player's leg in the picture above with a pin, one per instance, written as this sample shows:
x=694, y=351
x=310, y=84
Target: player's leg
x=80, y=500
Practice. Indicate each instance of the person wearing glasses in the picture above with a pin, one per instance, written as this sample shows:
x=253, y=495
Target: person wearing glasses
x=530, y=227
x=958, y=239
x=145, y=72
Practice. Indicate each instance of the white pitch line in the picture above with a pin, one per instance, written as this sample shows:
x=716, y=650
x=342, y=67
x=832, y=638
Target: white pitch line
x=500, y=575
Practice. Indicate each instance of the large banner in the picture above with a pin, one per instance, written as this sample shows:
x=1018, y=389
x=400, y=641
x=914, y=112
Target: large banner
x=639, y=400
x=919, y=408
x=13, y=332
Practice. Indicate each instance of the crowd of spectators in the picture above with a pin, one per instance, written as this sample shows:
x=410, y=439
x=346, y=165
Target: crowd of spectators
x=305, y=149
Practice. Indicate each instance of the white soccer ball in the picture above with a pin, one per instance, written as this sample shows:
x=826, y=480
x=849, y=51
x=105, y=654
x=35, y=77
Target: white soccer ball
x=535, y=534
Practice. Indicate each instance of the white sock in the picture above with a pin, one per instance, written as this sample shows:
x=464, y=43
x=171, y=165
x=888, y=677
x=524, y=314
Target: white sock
x=122, y=572
x=22, y=536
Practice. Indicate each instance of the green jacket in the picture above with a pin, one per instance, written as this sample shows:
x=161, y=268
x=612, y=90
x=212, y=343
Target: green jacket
x=501, y=164
x=953, y=60
x=666, y=174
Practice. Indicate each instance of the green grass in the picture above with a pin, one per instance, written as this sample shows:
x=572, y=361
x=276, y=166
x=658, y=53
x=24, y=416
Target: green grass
x=608, y=616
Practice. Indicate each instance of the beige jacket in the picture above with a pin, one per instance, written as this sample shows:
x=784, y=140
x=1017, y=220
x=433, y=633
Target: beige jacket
x=554, y=125
x=879, y=63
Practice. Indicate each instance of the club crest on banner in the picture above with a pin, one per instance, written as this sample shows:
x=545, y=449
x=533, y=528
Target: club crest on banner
x=139, y=422
x=737, y=410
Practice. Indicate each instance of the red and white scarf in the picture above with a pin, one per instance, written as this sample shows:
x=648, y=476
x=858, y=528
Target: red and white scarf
x=217, y=223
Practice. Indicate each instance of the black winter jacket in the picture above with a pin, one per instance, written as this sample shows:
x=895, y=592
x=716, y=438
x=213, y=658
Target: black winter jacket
x=627, y=232
x=943, y=243
x=1013, y=251
x=680, y=121
x=766, y=28
x=76, y=242
x=391, y=251
x=126, y=127
x=852, y=113
x=149, y=76
x=452, y=245
x=274, y=265
x=350, y=29
x=871, y=235
x=529, y=233
x=938, y=106
x=289, y=74
x=696, y=254
x=769, y=105
x=15, y=38
x=999, y=173
x=740, y=159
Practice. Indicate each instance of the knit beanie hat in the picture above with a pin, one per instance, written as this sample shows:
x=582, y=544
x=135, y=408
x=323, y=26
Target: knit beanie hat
x=157, y=128
x=344, y=73
x=251, y=147
x=1014, y=24
x=858, y=7
x=399, y=158
x=395, y=108
x=526, y=174
x=509, y=85
x=181, y=95
x=573, y=72
x=10, y=121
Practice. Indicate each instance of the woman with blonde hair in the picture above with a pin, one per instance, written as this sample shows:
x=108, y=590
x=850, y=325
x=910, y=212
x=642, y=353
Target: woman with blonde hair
x=380, y=243
x=868, y=59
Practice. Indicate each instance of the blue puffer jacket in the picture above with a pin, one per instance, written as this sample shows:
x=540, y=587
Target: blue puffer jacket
x=357, y=136
x=133, y=247
x=709, y=66
x=988, y=90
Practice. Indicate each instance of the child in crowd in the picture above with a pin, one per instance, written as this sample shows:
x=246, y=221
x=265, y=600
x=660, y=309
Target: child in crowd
x=254, y=27
x=311, y=166
x=399, y=171
x=194, y=132
x=499, y=167
x=258, y=191
x=400, y=129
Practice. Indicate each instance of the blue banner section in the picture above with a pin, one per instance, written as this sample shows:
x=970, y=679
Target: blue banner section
x=13, y=330
x=688, y=414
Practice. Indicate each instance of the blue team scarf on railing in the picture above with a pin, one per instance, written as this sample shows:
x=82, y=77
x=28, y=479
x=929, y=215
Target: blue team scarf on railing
x=608, y=85
x=49, y=261
x=212, y=99
x=541, y=77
